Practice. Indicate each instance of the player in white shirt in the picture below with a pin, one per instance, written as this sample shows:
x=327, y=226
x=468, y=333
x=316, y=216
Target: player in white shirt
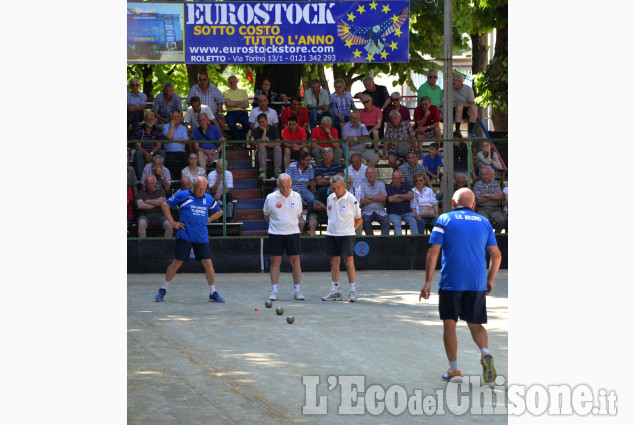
x=283, y=212
x=344, y=217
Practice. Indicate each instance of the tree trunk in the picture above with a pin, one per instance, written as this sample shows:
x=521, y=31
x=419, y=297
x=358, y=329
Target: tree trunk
x=285, y=78
x=500, y=51
x=148, y=85
x=479, y=64
x=349, y=76
x=192, y=72
x=322, y=77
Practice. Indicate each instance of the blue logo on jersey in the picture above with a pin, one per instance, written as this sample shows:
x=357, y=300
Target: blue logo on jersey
x=362, y=249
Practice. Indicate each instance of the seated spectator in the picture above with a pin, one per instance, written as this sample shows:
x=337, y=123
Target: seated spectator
x=431, y=89
x=303, y=182
x=341, y=104
x=398, y=197
x=395, y=99
x=215, y=185
x=464, y=106
x=263, y=108
x=357, y=171
x=191, y=116
x=506, y=198
x=136, y=104
x=324, y=171
x=289, y=133
x=371, y=117
x=317, y=102
x=186, y=183
x=460, y=181
x=356, y=134
x=372, y=196
x=325, y=132
x=132, y=177
x=209, y=95
x=175, y=152
x=301, y=114
x=433, y=162
x=411, y=167
x=236, y=101
x=193, y=170
x=149, y=206
x=427, y=119
x=424, y=205
x=488, y=195
x=265, y=89
x=487, y=157
x=159, y=171
x=165, y=103
x=378, y=93
x=207, y=133
x=261, y=134
x=461, y=155
x=396, y=129
x=144, y=151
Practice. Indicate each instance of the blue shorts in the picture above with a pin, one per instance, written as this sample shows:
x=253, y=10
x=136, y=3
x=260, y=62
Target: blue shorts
x=278, y=244
x=339, y=246
x=467, y=305
x=202, y=250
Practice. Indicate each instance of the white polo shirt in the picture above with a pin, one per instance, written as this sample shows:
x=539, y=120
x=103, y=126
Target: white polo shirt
x=283, y=212
x=342, y=213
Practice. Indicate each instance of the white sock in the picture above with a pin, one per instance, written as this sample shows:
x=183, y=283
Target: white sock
x=454, y=366
x=212, y=289
x=296, y=287
x=165, y=285
x=484, y=351
x=335, y=286
x=274, y=288
x=353, y=286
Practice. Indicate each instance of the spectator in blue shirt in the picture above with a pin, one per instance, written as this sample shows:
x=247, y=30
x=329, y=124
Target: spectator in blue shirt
x=432, y=161
x=136, y=104
x=398, y=197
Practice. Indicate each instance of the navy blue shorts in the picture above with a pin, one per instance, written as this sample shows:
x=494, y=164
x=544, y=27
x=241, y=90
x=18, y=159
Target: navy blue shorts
x=278, y=244
x=339, y=246
x=467, y=305
x=201, y=250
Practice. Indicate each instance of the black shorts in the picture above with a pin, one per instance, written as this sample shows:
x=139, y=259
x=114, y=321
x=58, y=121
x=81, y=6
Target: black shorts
x=339, y=246
x=465, y=114
x=201, y=250
x=278, y=244
x=467, y=305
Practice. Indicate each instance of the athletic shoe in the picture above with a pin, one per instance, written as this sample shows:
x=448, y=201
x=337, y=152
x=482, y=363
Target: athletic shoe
x=332, y=296
x=489, y=373
x=159, y=296
x=297, y=295
x=453, y=376
x=273, y=296
x=216, y=298
x=471, y=134
x=262, y=175
x=352, y=297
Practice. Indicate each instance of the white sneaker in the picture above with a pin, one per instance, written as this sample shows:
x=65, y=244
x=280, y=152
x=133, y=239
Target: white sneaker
x=297, y=295
x=352, y=297
x=273, y=296
x=332, y=296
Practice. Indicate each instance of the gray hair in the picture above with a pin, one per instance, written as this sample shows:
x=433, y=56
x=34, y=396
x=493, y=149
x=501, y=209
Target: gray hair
x=461, y=175
x=431, y=70
x=458, y=76
x=282, y=177
x=367, y=79
x=148, y=112
x=168, y=84
x=395, y=93
x=395, y=112
x=337, y=178
x=365, y=96
x=326, y=150
x=133, y=79
x=356, y=154
x=424, y=98
x=327, y=119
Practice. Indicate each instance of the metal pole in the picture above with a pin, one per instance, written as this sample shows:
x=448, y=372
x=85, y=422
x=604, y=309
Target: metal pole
x=447, y=183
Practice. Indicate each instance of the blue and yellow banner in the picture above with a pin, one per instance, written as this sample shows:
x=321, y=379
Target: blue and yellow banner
x=268, y=32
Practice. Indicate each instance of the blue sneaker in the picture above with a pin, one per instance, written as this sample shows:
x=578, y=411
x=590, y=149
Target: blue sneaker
x=216, y=298
x=159, y=296
x=471, y=134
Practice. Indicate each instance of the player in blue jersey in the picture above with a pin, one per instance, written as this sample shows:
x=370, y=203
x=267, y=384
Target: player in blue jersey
x=465, y=279
x=194, y=206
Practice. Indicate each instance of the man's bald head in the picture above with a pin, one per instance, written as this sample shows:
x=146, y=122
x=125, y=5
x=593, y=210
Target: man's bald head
x=463, y=198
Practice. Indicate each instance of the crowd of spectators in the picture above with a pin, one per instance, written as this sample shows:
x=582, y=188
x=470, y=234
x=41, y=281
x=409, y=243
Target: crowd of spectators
x=306, y=137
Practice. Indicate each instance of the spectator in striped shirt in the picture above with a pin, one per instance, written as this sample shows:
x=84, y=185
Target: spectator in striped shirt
x=144, y=151
x=341, y=105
